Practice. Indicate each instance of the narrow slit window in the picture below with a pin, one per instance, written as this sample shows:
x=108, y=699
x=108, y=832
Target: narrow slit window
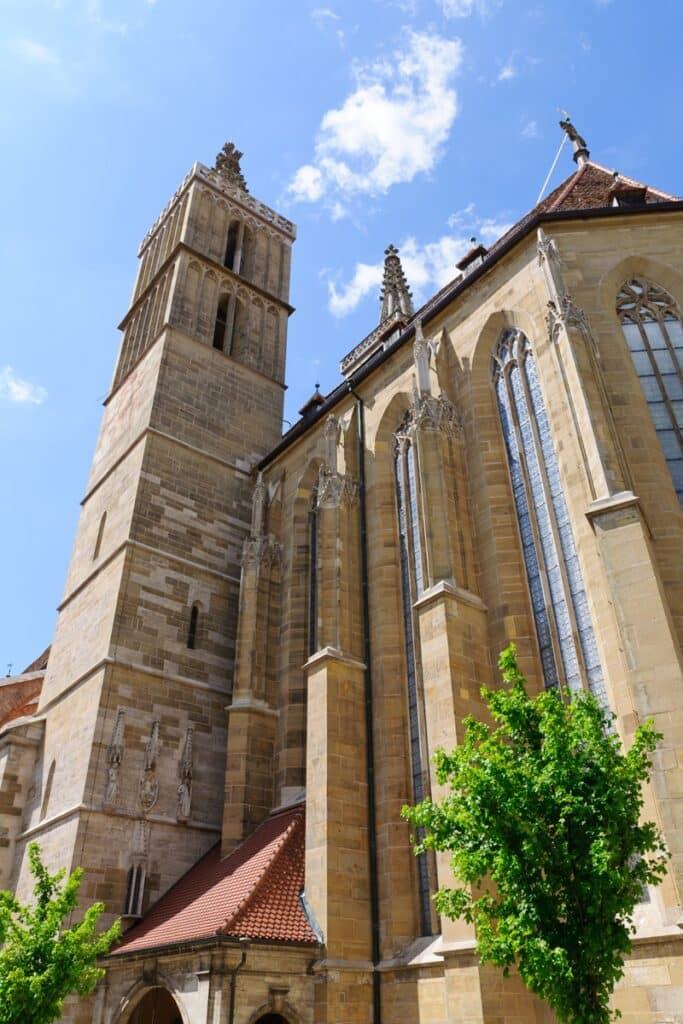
x=135, y=886
x=221, y=323
x=192, y=629
x=653, y=330
x=231, y=246
x=313, y=574
x=100, y=535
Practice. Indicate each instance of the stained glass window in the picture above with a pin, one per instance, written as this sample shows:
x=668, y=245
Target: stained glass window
x=654, y=334
x=410, y=555
x=558, y=599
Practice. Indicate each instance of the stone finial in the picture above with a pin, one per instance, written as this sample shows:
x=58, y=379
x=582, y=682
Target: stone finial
x=581, y=152
x=228, y=166
x=395, y=295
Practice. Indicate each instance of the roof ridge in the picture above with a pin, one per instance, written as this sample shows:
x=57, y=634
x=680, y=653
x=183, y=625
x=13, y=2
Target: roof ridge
x=569, y=185
x=248, y=899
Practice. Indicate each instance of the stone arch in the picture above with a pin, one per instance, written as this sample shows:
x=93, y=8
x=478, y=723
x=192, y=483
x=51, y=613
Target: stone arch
x=133, y=1002
x=501, y=574
x=637, y=265
x=267, y=1014
x=633, y=421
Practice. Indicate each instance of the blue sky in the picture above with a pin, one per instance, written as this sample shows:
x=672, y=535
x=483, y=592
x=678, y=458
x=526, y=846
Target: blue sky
x=417, y=122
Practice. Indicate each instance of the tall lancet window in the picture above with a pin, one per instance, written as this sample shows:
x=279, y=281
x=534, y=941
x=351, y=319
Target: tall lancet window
x=410, y=556
x=565, y=632
x=654, y=334
x=313, y=573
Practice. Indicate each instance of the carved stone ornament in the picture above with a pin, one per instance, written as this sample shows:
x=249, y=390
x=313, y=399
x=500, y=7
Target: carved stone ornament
x=565, y=314
x=114, y=760
x=258, y=506
x=228, y=166
x=185, y=772
x=335, y=488
x=259, y=553
x=330, y=437
x=148, y=790
x=139, y=845
x=429, y=413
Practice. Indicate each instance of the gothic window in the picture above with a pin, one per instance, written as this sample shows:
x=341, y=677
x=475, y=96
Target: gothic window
x=231, y=246
x=192, y=629
x=565, y=632
x=135, y=887
x=654, y=334
x=313, y=574
x=100, y=534
x=410, y=558
x=221, y=323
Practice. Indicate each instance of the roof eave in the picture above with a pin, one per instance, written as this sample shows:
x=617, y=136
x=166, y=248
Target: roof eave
x=189, y=945
x=428, y=313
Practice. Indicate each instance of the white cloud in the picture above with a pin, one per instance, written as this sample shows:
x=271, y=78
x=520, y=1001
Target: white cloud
x=465, y=8
x=321, y=15
x=390, y=128
x=14, y=389
x=508, y=71
x=530, y=130
x=35, y=52
x=366, y=278
x=428, y=266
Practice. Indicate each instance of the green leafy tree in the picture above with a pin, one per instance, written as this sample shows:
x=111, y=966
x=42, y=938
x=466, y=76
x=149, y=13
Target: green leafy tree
x=543, y=822
x=41, y=961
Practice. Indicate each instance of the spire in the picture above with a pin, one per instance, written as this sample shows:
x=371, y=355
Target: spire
x=581, y=153
x=228, y=166
x=395, y=295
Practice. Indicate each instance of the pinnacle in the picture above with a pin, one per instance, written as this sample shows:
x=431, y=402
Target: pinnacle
x=395, y=295
x=228, y=165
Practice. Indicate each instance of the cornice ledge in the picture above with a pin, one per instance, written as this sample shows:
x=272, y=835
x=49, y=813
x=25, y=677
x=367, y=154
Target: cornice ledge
x=446, y=588
x=364, y=966
x=251, y=704
x=612, y=503
x=332, y=654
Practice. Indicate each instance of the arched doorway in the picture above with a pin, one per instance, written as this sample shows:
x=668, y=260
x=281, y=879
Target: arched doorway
x=157, y=1007
x=272, y=1018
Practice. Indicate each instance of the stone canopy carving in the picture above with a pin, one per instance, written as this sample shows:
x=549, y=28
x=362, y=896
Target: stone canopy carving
x=228, y=166
x=428, y=412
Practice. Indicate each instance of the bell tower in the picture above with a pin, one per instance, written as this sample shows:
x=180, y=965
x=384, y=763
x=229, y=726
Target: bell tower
x=142, y=661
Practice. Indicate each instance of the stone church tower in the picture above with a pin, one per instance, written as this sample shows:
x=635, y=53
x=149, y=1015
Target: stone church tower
x=142, y=659
x=264, y=639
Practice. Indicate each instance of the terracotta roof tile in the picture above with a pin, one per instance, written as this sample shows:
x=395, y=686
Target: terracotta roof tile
x=588, y=188
x=19, y=696
x=253, y=892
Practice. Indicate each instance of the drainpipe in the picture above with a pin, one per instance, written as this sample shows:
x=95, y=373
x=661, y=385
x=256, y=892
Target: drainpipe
x=370, y=759
x=244, y=946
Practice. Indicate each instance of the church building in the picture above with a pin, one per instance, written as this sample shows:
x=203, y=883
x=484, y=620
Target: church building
x=263, y=638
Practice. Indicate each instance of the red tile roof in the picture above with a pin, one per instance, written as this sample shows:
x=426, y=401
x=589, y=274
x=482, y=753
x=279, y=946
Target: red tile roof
x=252, y=893
x=588, y=188
x=19, y=696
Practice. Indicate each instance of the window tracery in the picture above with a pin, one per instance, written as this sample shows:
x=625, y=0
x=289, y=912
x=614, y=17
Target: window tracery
x=654, y=334
x=412, y=585
x=558, y=598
